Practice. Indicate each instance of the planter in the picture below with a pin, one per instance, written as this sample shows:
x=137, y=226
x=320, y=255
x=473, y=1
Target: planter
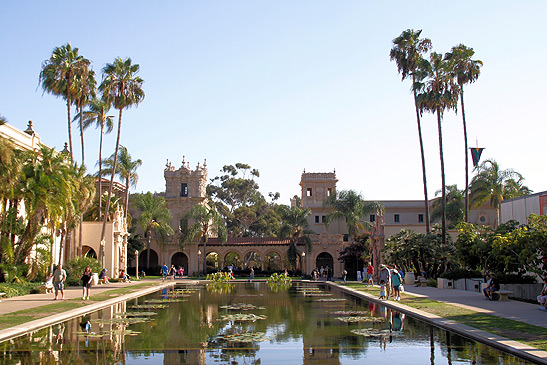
x=445, y=283
x=409, y=278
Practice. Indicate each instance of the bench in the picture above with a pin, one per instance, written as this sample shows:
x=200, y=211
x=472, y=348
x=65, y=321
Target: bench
x=501, y=295
x=2, y=295
x=421, y=282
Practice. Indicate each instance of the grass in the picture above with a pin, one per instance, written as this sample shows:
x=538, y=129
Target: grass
x=16, y=318
x=518, y=331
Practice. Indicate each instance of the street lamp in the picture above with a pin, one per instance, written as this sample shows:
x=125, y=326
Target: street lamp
x=199, y=254
x=303, y=264
x=137, y=261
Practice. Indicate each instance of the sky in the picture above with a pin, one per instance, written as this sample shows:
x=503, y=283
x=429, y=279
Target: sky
x=287, y=86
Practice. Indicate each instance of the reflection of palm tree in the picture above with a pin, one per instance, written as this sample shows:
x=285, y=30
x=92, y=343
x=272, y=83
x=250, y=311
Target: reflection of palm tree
x=407, y=52
x=465, y=71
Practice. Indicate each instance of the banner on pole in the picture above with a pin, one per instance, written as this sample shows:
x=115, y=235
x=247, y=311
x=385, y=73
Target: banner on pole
x=476, y=155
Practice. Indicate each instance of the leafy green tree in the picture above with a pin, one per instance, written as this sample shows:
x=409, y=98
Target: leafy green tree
x=126, y=169
x=408, y=50
x=465, y=71
x=454, y=207
x=492, y=185
x=295, y=227
x=437, y=92
x=58, y=77
x=206, y=221
x=154, y=219
x=355, y=254
x=122, y=88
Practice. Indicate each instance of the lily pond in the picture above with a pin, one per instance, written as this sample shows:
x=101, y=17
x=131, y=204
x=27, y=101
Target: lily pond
x=247, y=323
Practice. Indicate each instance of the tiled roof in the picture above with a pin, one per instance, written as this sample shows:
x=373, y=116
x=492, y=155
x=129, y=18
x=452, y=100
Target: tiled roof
x=250, y=241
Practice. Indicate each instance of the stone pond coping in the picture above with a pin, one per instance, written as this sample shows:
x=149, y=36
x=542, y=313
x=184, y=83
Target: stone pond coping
x=501, y=343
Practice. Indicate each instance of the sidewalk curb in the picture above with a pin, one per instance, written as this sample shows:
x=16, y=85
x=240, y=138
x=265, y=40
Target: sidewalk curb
x=513, y=347
x=16, y=331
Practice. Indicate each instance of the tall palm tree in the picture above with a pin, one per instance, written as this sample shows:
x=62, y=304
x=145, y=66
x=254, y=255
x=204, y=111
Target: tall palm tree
x=154, y=217
x=58, y=76
x=97, y=114
x=436, y=94
x=207, y=221
x=85, y=90
x=123, y=89
x=407, y=52
x=465, y=71
x=294, y=226
x=126, y=169
x=454, y=206
x=492, y=185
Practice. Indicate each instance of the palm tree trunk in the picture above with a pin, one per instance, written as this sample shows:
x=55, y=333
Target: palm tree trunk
x=68, y=102
x=82, y=133
x=205, y=254
x=148, y=252
x=103, y=232
x=101, y=173
x=426, y=200
x=443, y=183
x=466, y=159
x=126, y=196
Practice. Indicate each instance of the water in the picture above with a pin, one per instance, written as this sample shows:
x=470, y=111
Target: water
x=293, y=326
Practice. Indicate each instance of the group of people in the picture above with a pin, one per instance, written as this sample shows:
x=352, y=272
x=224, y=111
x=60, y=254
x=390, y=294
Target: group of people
x=324, y=273
x=492, y=286
x=172, y=272
x=391, y=282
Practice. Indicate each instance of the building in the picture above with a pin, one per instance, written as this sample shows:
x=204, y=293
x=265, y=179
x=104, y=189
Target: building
x=519, y=209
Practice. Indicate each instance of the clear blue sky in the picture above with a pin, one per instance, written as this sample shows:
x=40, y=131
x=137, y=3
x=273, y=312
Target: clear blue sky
x=289, y=85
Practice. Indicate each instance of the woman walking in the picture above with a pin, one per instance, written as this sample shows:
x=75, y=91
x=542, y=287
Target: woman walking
x=86, y=282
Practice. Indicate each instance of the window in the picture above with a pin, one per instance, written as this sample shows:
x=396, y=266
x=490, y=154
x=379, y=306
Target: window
x=329, y=191
x=372, y=218
x=316, y=219
x=396, y=218
x=308, y=192
x=420, y=218
x=346, y=238
x=323, y=219
x=184, y=189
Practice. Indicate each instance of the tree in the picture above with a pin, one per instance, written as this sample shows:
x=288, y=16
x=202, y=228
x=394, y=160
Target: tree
x=58, y=77
x=206, y=220
x=85, y=89
x=492, y=185
x=126, y=170
x=454, y=207
x=122, y=88
x=295, y=227
x=153, y=219
x=465, y=71
x=437, y=93
x=356, y=253
x=97, y=114
x=407, y=52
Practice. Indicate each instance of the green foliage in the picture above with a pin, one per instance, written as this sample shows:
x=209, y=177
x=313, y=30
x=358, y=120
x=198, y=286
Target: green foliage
x=18, y=289
x=461, y=273
x=219, y=277
x=75, y=268
x=455, y=209
x=355, y=254
x=279, y=279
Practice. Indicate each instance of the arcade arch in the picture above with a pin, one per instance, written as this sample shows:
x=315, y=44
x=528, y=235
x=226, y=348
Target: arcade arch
x=143, y=259
x=89, y=252
x=179, y=259
x=324, y=259
x=213, y=261
x=232, y=259
x=272, y=261
x=252, y=259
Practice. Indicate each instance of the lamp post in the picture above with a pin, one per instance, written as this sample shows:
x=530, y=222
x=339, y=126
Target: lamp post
x=303, y=264
x=199, y=254
x=137, y=261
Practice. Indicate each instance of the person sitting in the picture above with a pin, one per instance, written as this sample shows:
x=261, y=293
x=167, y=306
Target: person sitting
x=487, y=287
x=103, y=279
x=47, y=287
x=124, y=276
x=421, y=278
x=494, y=287
x=542, y=297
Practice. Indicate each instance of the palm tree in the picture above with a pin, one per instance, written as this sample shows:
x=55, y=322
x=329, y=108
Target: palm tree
x=122, y=88
x=58, y=76
x=154, y=218
x=295, y=226
x=454, y=206
x=407, y=52
x=492, y=185
x=465, y=71
x=85, y=89
x=126, y=170
x=436, y=94
x=207, y=221
x=97, y=114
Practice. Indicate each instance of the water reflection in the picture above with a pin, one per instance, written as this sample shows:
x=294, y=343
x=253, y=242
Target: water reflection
x=247, y=323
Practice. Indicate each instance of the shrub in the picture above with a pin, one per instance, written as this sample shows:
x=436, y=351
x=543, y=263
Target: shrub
x=17, y=289
x=461, y=274
x=75, y=268
x=219, y=277
x=281, y=279
x=515, y=278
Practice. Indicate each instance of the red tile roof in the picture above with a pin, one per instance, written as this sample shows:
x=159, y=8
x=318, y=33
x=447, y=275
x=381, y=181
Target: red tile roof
x=250, y=241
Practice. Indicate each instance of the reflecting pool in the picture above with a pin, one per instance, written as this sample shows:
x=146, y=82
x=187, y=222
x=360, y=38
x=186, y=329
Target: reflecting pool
x=247, y=323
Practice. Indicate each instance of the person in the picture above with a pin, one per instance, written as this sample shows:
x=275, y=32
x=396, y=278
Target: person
x=252, y=275
x=103, y=278
x=86, y=282
x=172, y=272
x=542, y=297
x=181, y=272
x=382, y=289
x=321, y=271
x=385, y=275
x=48, y=285
x=142, y=274
x=494, y=287
x=396, y=282
x=124, y=276
x=421, y=278
x=344, y=273
x=370, y=274
x=164, y=270
x=286, y=272
x=488, y=284
x=59, y=278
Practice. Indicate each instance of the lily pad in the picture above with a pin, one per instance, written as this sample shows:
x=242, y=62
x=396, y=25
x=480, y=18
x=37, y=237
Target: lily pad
x=160, y=301
x=350, y=313
x=240, y=307
x=148, y=306
x=124, y=321
x=241, y=317
x=331, y=300
x=372, y=332
x=244, y=337
x=356, y=319
x=137, y=314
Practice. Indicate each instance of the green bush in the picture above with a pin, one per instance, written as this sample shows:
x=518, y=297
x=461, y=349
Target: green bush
x=515, y=278
x=75, y=269
x=17, y=289
x=461, y=274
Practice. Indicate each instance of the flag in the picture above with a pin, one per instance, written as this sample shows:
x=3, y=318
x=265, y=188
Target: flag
x=476, y=155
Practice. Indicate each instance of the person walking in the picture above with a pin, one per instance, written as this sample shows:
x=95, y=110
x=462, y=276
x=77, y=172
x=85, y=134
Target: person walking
x=370, y=274
x=59, y=278
x=86, y=282
x=396, y=282
x=385, y=276
x=164, y=271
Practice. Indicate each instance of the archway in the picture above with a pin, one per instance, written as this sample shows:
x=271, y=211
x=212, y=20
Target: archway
x=272, y=261
x=213, y=261
x=180, y=260
x=143, y=258
x=252, y=259
x=89, y=252
x=232, y=259
x=325, y=259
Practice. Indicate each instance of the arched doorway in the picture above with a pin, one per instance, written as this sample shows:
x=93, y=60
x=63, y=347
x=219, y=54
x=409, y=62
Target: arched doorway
x=252, y=259
x=213, y=261
x=180, y=260
x=272, y=261
x=143, y=258
x=89, y=252
x=232, y=259
x=324, y=259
